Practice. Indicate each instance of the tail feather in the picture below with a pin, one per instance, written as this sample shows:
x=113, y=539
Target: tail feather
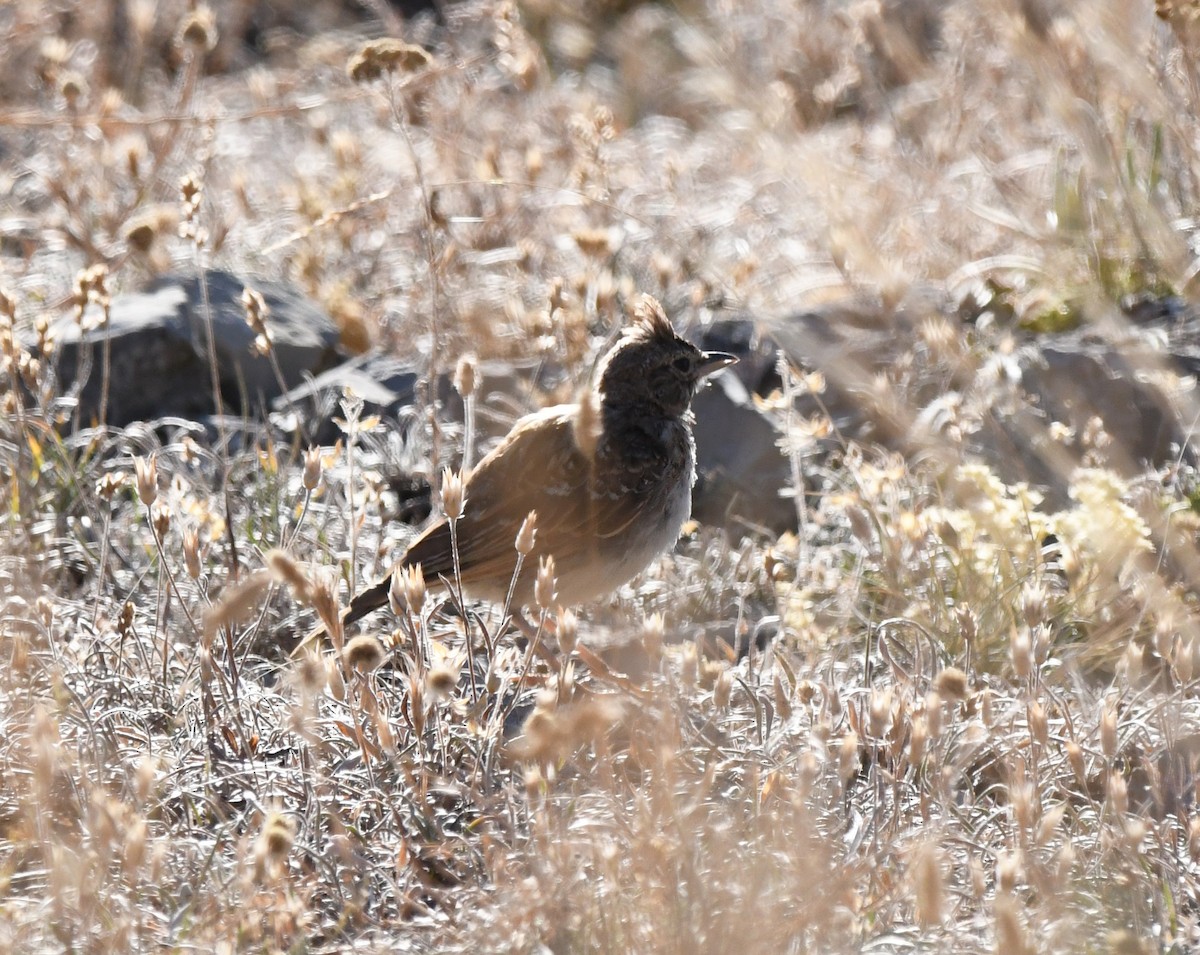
x=364, y=603
x=369, y=600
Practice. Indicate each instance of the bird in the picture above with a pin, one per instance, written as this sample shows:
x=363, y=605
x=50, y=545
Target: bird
x=610, y=478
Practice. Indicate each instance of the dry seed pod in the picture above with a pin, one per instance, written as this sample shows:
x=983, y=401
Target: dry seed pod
x=452, y=494
x=527, y=535
x=363, y=653
x=545, y=588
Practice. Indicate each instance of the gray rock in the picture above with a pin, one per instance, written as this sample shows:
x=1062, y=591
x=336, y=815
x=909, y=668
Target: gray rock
x=385, y=384
x=304, y=337
x=742, y=473
x=155, y=371
x=159, y=350
x=998, y=408
x=1072, y=379
x=388, y=385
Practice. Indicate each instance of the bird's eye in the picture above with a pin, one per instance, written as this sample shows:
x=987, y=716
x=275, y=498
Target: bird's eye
x=682, y=364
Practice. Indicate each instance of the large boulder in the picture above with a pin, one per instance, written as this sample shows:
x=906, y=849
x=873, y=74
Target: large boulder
x=159, y=346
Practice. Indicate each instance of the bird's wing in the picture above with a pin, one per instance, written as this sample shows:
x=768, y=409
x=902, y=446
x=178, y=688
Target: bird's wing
x=538, y=466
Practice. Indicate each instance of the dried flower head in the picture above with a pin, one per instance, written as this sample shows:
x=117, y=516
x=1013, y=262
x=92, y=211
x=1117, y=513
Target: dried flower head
x=414, y=588
x=723, y=689
x=689, y=665
x=527, y=535
x=453, y=495
x=323, y=595
x=386, y=55
x=160, y=517
x=237, y=602
x=278, y=834
x=285, y=570
x=1108, y=729
x=928, y=884
x=334, y=680
x=951, y=684
x=1021, y=650
x=653, y=631
x=109, y=483
x=545, y=588
x=441, y=681
x=464, y=376
x=199, y=30
x=363, y=653
x=91, y=288
x=256, y=312
x=1033, y=603
x=312, y=469
x=1039, y=724
x=567, y=631
x=190, y=194
x=191, y=552
x=147, y=479
x=848, y=757
x=125, y=620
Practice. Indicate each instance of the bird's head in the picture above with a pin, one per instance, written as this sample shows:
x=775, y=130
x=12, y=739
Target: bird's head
x=653, y=365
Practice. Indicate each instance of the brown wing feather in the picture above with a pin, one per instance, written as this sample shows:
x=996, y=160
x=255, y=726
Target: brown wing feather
x=538, y=466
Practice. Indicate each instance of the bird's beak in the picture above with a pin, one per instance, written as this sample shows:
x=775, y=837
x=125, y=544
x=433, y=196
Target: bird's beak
x=713, y=361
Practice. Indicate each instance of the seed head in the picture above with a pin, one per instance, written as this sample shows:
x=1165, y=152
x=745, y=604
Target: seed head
x=191, y=552
x=933, y=713
x=110, y=483
x=312, y=469
x=929, y=887
x=453, y=495
x=377, y=57
x=1034, y=599
x=147, y=479
x=441, y=681
x=527, y=535
x=337, y=685
x=464, y=376
x=951, y=684
x=545, y=589
x=848, y=757
x=413, y=582
x=1108, y=729
x=160, y=517
x=1022, y=652
x=918, y=738
x=364, y=653
x=256, y=312
x=278, y=834
x=568, y=631
x=968, y=625
x=723, y=689
x=689, y=665
x=1039, y=725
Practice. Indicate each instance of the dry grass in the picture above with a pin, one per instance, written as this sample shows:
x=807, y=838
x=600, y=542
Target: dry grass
x=972, y=723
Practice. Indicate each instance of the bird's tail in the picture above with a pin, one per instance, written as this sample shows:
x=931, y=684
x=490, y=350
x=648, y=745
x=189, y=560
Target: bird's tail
x=364, y=603
x=369, y=600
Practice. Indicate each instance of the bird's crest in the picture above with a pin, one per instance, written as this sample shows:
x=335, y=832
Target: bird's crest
x=650, y=321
